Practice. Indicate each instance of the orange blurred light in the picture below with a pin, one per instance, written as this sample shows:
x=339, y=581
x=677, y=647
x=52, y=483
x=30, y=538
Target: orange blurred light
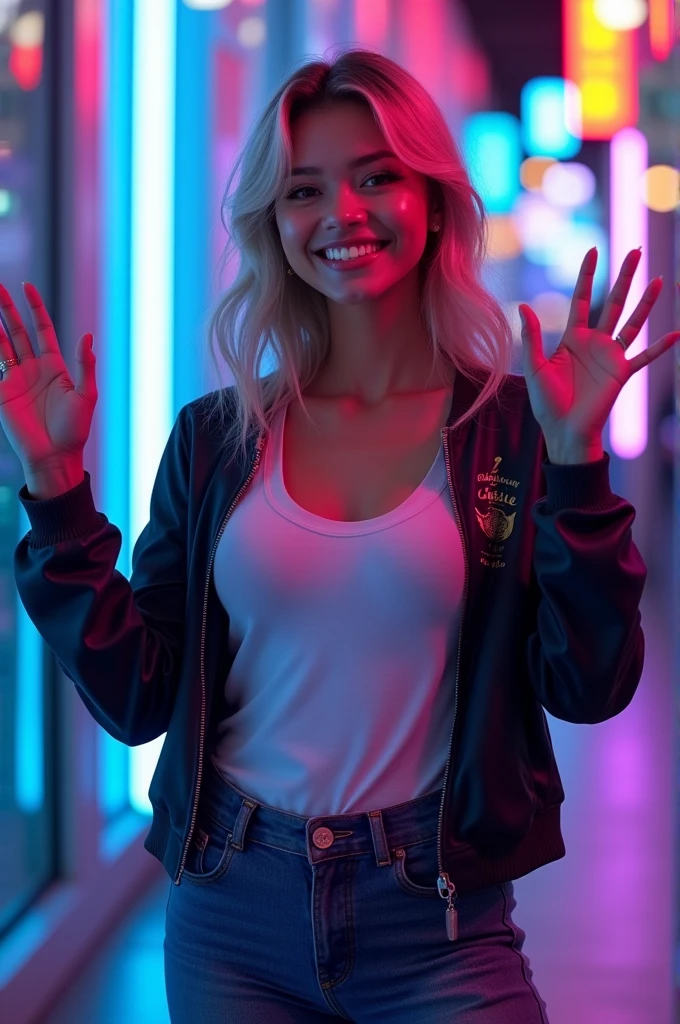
x=604, y=65
x=532, y=170
x=504, y=241
x=660, y=188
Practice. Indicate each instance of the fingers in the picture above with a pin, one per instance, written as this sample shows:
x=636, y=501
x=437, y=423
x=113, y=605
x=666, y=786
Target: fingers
x=648, y=355
x=613, y=307
x=47, y=339
x=580, y=303
x=44, y=328
x=635, y=322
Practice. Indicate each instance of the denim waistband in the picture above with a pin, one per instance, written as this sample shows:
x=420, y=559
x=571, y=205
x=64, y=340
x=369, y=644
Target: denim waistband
x=324, y=837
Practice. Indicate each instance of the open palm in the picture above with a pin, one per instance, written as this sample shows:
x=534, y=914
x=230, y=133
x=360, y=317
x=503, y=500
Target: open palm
x=573, y=392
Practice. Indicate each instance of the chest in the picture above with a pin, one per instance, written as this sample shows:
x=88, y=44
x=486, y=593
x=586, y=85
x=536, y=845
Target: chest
x=352, y=468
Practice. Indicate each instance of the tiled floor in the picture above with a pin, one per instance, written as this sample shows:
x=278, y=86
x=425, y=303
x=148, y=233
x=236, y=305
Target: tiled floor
x=599, y=922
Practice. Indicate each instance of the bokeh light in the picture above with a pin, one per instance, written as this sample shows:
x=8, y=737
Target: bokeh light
x=538, y=224
x=566, y=255
x=569, y=185
x=504, y=240
x=532, y=170
x=621, y=15
x=251, y=31
x=551, y=117
x=660, y=188
x=207, y=5
x=552, y=309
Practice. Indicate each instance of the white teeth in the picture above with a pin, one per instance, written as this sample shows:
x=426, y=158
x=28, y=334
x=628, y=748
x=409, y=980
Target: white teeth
x=351, y=253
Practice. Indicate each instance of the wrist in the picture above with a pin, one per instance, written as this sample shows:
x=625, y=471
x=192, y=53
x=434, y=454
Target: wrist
x=49, y=481
x=562, y=452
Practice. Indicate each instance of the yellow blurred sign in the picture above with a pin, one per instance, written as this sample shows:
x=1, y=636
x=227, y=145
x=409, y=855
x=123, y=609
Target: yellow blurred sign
x=604, y=65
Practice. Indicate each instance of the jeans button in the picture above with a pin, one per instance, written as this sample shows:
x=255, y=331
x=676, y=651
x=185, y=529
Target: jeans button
x=322, y=838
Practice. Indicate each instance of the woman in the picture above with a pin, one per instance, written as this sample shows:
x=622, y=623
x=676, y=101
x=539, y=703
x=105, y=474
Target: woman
x=349, y=622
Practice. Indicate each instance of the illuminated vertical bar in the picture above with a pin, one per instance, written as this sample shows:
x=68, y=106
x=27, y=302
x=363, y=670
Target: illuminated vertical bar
x=29, y=725
x=371, y=22
x=151, y=284
x=550, y=109
x=493, y=154
x=112, y=347
x=629, y=229
x=661, y=28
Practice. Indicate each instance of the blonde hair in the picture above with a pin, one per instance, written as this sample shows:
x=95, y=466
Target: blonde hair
x=265, y=306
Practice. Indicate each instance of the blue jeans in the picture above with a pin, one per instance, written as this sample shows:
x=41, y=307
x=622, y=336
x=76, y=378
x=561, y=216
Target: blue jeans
x=282, y=918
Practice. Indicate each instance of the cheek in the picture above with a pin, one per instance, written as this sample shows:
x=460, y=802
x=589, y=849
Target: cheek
x=293, y=231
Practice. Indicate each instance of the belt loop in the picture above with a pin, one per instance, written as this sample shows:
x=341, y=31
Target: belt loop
x=382, y=853
x=242, y=819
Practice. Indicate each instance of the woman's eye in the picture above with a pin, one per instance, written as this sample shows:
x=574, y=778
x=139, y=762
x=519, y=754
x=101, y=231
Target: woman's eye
x=378, y=174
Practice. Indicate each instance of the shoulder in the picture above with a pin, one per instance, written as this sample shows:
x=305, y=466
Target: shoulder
x=202, y=409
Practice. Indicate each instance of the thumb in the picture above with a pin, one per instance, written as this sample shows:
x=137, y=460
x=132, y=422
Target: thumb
x=532, y=341
x=85, y=382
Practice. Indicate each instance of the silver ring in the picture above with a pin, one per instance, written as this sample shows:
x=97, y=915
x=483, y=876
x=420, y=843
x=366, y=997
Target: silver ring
x=621, y=342
x=5, y=363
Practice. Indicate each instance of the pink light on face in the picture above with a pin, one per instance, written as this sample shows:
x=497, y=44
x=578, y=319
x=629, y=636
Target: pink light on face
x=628, y=220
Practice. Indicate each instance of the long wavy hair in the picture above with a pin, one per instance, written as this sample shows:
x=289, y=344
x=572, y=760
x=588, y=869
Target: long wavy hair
x=265, y=307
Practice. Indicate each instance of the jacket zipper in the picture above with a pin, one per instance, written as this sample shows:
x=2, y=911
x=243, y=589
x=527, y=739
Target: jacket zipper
x=445, y=886
x=258, y=452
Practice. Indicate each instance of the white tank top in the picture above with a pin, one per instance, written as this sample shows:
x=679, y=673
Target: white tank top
x=344, y=638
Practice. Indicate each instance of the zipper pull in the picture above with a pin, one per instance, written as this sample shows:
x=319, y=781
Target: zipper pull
x=446, y=891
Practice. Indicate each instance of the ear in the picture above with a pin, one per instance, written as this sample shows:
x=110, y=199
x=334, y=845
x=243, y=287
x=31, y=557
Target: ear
x=435, y=206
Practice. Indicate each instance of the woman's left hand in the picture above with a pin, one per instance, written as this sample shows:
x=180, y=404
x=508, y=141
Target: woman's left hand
x=573, y=392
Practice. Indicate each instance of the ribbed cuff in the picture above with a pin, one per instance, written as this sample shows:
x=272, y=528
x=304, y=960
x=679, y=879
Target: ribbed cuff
x=66, y=517
x=583, y=486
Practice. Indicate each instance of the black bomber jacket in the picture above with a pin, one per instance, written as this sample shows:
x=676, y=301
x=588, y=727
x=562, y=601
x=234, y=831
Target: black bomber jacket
x=550, y=620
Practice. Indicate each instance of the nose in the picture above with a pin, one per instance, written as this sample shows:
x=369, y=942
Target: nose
x=345, y=209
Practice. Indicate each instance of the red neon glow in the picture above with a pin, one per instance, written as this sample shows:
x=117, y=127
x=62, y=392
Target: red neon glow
x=25, y=65
x=661, y=28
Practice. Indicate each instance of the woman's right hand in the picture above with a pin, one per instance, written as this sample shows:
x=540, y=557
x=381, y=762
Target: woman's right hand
x=46, y=418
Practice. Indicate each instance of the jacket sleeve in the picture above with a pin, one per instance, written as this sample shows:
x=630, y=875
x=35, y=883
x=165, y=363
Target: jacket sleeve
x=586, y=656
x=120, y=642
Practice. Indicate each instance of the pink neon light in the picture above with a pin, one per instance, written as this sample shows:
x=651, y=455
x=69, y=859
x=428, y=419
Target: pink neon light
x=371, y=22
x=661, y=28
x=424, y=43
x=628, y=158
x=26, y=65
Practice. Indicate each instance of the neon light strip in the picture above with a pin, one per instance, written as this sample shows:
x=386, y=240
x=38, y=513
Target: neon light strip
x=29, y=724
x=629, y=229
x=151, y=284
x=112, y=346
x=661, y=28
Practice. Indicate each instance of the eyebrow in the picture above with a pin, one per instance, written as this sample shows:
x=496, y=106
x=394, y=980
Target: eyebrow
x=359, y=162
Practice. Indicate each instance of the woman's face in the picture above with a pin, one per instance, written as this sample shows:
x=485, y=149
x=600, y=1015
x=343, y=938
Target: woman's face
x=381, y=199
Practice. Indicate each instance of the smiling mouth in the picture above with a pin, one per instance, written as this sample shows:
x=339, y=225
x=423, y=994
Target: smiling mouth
x=321, y=253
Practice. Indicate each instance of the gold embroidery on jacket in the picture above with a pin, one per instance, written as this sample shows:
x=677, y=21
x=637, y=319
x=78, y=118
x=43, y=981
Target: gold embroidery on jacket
x=495, y=523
